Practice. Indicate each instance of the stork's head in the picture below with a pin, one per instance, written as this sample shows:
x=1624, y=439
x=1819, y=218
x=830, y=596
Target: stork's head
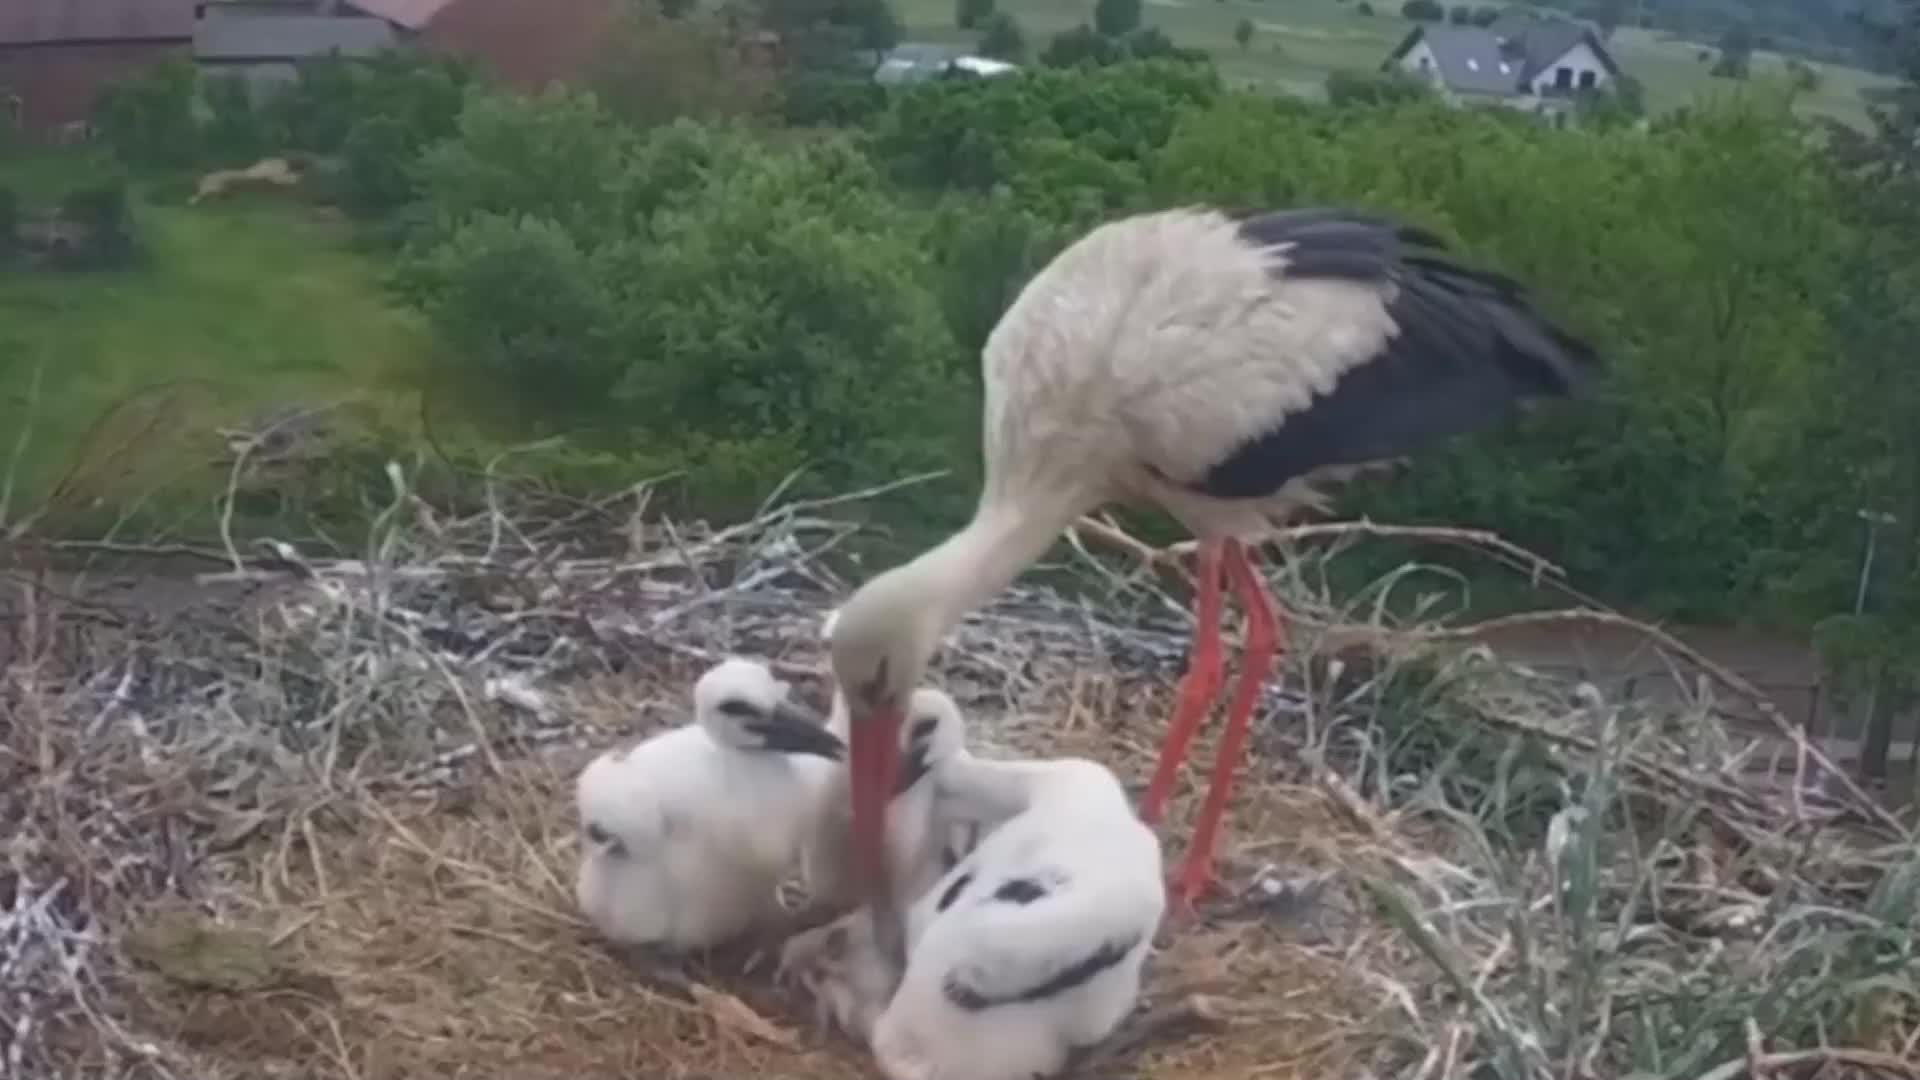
x=742, y=705
x=880, y=640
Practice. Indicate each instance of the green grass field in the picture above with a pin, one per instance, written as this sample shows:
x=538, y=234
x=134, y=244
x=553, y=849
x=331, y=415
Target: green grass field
x=239, y=308
x=1298, y=42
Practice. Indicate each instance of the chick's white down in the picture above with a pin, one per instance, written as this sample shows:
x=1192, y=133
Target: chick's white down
x=687, y=835
x=924, y=836
x=1027, y=951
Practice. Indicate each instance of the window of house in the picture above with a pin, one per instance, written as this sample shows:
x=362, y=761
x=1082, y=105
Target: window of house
x=1588, y=78
x=1563, y=77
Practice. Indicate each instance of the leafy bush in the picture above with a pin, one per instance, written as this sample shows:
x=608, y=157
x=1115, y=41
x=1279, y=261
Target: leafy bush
x=1069, y=140
x=829, y=99
x=1375, y=88
x=1002, y=37
x=522, y=310
x=1116, y=18
x=829, y=35
x=780, y=308
x=1423, y=11
x=969, y=14
x=653, y=69
x=100, y=209
x=148, y=119
x=557, y=156
x=1082, y=45
x=235, y=132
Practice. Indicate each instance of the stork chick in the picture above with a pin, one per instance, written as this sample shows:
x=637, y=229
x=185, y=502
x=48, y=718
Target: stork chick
x=1026, y=953
x=689, y=833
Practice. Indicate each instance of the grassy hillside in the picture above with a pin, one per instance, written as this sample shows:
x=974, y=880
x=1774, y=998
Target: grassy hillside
x=1298, y=42
x=238, y=308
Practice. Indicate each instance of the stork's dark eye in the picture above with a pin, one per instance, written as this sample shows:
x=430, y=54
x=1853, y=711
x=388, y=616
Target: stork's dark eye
x=598, y=835
x=739, y=709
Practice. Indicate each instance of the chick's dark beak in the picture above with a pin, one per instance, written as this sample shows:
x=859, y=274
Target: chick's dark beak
x=792, y=728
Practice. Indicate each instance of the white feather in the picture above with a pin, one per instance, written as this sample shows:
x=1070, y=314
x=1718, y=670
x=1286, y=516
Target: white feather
x=973, y=1003
x=698, y=830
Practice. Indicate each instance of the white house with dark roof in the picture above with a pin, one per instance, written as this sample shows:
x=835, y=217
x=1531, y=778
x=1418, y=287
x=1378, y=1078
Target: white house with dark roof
x=1520, y=62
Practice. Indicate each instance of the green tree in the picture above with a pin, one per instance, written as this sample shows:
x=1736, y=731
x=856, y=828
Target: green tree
x=1423, y=11
x=148, y=119
x=1002, y=37
x=1082, y=45
x=1116, y=18
x=1736, y=53
x=785, y=321
x=652, y=68
x=1375, y=88
x=502, y=161
x=1878, y=390
x=971, y=14
x=522, y=314
x=831, y=34
x=1243, y=32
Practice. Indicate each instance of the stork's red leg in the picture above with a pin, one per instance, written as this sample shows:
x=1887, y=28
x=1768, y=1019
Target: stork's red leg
x=1197, y=687
x=1263, y=640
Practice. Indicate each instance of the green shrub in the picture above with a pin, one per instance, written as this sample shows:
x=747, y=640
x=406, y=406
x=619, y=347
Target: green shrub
x=235, y=131
x=148, y=119
x=101, y=210
x=521, y=312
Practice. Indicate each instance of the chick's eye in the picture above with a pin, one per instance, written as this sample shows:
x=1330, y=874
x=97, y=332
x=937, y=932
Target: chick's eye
x=598, y=835
x=739, y=709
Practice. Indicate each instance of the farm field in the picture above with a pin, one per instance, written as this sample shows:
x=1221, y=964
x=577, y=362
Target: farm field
x=1297, y=43
x=216, y=326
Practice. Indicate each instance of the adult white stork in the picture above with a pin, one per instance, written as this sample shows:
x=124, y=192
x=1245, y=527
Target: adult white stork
x=1219, y=365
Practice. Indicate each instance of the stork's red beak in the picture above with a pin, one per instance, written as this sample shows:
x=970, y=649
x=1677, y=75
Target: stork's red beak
x=873, y=760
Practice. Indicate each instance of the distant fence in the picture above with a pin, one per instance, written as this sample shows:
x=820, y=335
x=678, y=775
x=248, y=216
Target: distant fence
x=1799, y=701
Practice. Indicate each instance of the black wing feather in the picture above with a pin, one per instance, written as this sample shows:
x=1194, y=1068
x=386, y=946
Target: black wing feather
x=1470, y=346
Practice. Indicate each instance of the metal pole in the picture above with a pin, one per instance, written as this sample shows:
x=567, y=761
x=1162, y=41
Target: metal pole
x=1866, y=568
x=1874, y=521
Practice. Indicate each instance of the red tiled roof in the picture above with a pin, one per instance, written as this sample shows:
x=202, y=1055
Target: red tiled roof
x=412, y=14
x=41, y=22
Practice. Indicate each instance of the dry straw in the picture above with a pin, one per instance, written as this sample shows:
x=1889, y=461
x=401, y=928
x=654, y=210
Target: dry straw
x=312, y=820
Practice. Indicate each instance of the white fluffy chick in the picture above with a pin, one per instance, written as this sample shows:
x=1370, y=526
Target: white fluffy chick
x=1026, y=953
x=688, y=834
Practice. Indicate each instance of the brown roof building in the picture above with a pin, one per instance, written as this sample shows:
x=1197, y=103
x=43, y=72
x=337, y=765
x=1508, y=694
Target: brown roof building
x=56, y=56
x=523, y=43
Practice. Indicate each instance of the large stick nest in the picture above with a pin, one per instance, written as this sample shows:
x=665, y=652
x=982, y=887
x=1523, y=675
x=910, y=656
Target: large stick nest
x=315, y=820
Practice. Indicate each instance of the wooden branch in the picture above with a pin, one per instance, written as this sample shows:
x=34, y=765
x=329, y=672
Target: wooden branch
x=1754, y=1067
